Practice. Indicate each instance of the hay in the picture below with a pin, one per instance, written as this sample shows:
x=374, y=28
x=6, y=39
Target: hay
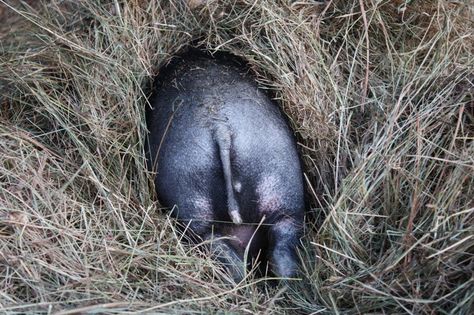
x=378, y=92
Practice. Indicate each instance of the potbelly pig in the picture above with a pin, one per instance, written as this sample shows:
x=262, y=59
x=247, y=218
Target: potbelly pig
x=226, y=163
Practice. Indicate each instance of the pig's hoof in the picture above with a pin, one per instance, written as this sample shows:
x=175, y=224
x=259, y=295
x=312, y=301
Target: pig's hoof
x=233, y=265
x=285, y=266
x=236, y=271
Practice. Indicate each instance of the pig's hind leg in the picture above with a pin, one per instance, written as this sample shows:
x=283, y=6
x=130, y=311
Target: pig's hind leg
x=197, y=215
x=283, y=240
x=284, y=226
x=224, y=252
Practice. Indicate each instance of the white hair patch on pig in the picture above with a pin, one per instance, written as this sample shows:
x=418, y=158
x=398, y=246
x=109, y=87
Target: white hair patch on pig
x=203, y=207
x=268, y=199
x=285, y=227
x=237, y=186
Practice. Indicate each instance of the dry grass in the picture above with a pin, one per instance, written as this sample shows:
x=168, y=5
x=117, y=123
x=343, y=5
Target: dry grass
x=380, y=94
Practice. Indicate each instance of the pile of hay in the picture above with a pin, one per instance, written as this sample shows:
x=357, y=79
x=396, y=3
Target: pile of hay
x=380, y=94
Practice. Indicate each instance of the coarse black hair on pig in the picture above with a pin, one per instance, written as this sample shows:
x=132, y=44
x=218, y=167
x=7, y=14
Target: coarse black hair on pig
x=226, y=160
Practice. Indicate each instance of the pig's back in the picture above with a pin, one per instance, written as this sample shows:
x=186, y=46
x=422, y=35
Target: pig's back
x=199, y=95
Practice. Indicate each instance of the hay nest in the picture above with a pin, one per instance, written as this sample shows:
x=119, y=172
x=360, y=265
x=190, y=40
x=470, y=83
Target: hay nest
x=379, y=93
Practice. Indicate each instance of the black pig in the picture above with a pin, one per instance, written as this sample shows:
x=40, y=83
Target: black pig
x=225, y=156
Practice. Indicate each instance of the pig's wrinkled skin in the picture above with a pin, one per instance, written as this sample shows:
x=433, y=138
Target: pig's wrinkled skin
x=225, y=156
